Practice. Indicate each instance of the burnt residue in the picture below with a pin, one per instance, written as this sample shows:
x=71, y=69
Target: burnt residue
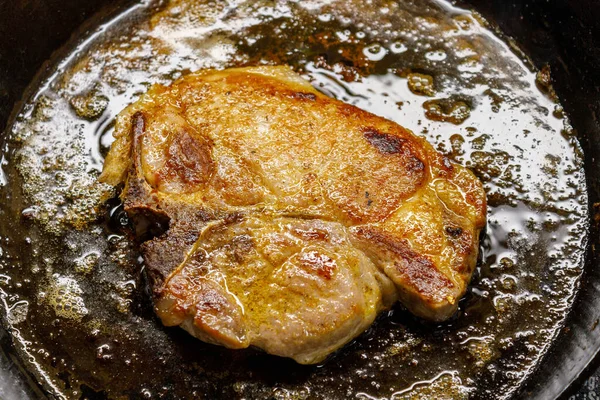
x=384, y=142
x=79, y=298
x=454, y=231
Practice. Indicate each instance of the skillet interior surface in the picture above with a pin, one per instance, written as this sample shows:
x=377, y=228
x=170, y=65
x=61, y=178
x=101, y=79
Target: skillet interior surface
x=566, y=35
x=70, y=285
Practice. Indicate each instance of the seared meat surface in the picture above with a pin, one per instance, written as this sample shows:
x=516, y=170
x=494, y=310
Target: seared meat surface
x=294, y=218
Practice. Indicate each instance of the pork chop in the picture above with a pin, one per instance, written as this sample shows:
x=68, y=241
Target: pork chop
x=293, y=218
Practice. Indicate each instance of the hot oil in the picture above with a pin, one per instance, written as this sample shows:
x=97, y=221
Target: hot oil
x=72, y=283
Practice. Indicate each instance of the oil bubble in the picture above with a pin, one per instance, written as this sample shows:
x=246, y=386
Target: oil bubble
x=398, y=48
x=421, y=84
x=89, y=106
x=18, y=312
x=85, y=264
x=325, y=17
x=64, y=296
x=447, y=110
x=375, y=52
x=436, y=55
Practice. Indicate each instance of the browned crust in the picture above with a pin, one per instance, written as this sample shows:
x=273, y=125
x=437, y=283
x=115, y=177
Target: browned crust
x=412, y=269
x=189, y=161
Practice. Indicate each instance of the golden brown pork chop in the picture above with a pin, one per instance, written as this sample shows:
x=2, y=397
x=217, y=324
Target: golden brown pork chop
x=294, y=218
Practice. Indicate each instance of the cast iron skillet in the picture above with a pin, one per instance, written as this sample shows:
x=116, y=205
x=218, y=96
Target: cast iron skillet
x=562, y=33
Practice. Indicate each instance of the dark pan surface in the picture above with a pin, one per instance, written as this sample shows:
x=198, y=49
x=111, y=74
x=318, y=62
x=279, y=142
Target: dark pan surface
x=566, y=35
x=401, y=322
